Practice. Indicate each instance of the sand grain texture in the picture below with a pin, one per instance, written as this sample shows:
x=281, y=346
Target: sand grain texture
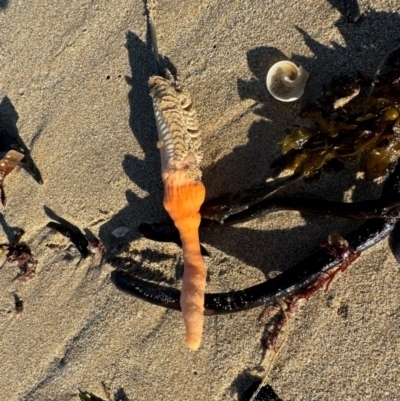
x=74, y=79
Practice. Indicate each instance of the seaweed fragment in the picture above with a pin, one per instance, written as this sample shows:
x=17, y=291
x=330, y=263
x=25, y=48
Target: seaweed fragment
x=86, y=244
x=8, y=162
x=85, y=247
x=365, y=132
x=20, y=253
x=74, y=234
x=96, y=247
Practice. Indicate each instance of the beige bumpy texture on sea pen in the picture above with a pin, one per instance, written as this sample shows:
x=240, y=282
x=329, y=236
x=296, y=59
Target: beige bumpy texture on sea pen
x=179, y=143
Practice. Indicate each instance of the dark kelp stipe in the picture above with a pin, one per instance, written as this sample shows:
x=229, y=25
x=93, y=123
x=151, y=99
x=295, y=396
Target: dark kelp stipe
x=224, y=210
x=292, y=281
x=287, y=283
x=376, y=208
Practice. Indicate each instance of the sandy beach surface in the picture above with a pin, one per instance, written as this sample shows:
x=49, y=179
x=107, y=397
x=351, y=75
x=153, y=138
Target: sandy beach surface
x=73, y=78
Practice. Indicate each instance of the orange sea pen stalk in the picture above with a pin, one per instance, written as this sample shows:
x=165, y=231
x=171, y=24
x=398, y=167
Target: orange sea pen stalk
x=184, y=194
x=182, y=200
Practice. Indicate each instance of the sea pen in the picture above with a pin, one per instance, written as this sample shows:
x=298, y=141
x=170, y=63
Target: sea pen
x=184, y=193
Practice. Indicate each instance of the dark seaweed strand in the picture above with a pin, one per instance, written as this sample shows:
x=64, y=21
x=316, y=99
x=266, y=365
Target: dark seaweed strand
x=386, y=206
x=246, y=207
x=150, y=292
x=161, y=232
x=379, y=208
x=225, y=205
x=73, y=234
x=255, y=202
x=287, y=283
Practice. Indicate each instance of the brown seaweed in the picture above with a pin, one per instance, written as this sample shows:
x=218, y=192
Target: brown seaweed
x=366, y=132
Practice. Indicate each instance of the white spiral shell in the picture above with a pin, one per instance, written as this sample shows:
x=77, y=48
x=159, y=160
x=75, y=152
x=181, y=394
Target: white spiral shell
x=286, y=81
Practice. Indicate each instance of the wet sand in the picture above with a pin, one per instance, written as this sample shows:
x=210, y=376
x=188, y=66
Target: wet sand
x=74, y=80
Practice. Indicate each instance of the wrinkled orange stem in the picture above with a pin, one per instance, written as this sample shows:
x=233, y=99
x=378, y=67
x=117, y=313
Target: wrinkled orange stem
x=183, y=198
